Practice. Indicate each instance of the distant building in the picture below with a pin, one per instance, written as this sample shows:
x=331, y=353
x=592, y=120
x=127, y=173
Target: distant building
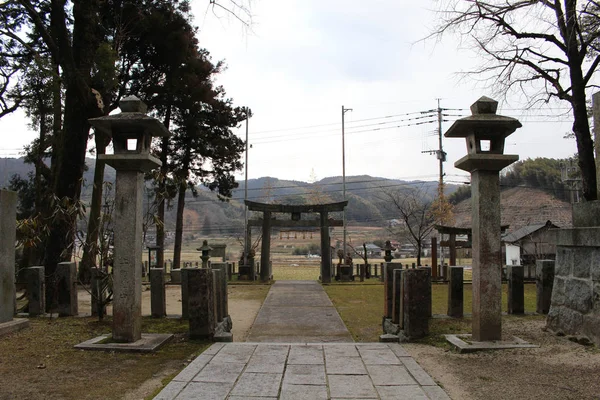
x=529, y=243
x=372, y=250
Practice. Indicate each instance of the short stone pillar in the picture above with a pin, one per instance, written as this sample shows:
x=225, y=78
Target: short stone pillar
x=8, y=229
x=66, y=279
x=415, y=307
x=485, y=133
x=388, y=288
x=158, y=299
x=217, y=303
x=428, y=295
x=544, y=281
x=98, y=293
x=397, y=296
x=199, y=282
x=456, y=292
x=224, y=301
x=516, y=289
x=185, y=293
x=131, y=132
x=35, y=279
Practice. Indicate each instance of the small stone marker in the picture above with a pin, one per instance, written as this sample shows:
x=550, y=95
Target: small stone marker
x=224, y=298
x=415, y=306
x=217, y=295
x=516, y=288
x=35, y=279
x=397, y=295
x=8, y=226
x=544, y=281
x=388, y=287
x=98, y=292
x=66, y=279
x=201, y=303
x=158, y=300
x=456, y=292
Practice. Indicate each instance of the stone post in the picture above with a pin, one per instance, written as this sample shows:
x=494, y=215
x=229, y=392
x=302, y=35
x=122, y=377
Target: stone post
x=452, y=249
x=223, y=289
x=325, y=249
x=98, y=292
x=516, y=289
x=34, y=277
x=397, y=296
x=456, y=292
x=428, y=290
x=217, y=303
x=158, y=300
x=127, y=274
x=485, y=133
x=415, y=307
x=266, y=247
x=544, y=281
x=66, y=278
x=185, y=297
x=434, y=258
x=8, y=229
x=388, y=288
x=199, y=283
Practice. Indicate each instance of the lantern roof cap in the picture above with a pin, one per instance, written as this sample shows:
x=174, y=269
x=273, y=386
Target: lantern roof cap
x=484, y=122
x=132, y=118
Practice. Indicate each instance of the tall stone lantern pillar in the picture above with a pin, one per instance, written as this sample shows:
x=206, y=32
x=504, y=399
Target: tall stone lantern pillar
x=485, y=132
x=131, y=131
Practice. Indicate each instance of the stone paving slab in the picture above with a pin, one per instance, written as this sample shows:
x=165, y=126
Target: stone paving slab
x=303, y=371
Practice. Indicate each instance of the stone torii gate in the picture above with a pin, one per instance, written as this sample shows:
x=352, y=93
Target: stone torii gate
x=296, y=221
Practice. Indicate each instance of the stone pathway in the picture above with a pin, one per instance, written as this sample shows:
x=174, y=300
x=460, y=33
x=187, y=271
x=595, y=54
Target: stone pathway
x=270, y=368
x=298, y=312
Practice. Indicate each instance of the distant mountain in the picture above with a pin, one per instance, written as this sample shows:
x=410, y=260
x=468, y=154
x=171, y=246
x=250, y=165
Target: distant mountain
x=205, y=214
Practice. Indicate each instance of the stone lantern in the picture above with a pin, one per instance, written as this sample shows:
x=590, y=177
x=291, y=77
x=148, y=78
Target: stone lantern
x=485, y=133
x=131, y=132
x=205, y=249
x=388, y=251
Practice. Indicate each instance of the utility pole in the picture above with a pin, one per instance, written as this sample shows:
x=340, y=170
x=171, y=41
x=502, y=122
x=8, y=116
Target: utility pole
x=441, y=156
x=246, y=244
x=344, y=110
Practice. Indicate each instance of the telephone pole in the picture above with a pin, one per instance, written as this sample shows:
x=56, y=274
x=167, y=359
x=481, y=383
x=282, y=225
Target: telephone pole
x=246, y=244
x=344, y=110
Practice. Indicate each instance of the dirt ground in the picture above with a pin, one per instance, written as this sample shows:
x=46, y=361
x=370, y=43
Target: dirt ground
x=242, y=308
x=558, y=369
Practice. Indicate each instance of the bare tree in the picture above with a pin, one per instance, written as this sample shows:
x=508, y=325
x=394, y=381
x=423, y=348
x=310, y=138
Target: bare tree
x=546, y=49
x=415, y=213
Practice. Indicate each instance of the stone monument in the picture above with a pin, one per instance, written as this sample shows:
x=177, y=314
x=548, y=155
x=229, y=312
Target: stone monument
x=8, y=229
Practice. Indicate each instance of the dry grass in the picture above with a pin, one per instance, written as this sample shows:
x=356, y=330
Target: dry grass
x=43, y=356
x=361, y=308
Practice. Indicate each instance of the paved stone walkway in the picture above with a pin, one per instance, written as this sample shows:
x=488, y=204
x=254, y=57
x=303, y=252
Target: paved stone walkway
x=298, y=312
x=303, y=369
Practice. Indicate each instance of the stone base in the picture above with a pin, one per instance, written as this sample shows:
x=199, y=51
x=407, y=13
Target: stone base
x=388, y=338
x=226, y=337
x=176, y=276
x=464, y=344
x=389, y=327
x=13, y=326
x=149, y=343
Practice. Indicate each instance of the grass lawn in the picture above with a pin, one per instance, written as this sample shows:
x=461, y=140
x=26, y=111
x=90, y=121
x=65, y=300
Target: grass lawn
x=361, y=308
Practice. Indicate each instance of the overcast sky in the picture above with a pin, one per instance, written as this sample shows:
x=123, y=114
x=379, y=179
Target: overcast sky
x=302, y=60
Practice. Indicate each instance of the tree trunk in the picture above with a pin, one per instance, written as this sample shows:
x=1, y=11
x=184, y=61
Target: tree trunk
x=76, y=58
x=161, y=198
x=90, y=249
x=179, y=225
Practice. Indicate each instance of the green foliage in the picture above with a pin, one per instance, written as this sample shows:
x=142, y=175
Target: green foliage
x=25, y=189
